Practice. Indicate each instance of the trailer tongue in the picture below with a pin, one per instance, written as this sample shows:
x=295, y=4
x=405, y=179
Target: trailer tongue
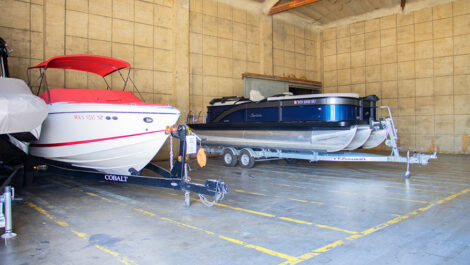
x=176, y=178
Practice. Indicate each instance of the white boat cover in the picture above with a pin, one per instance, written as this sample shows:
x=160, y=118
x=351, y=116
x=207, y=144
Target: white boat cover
x=20, y=110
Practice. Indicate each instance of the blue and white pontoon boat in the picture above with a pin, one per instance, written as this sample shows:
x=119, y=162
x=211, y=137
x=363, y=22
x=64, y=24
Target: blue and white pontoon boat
x=315, y=127
x=316, y=122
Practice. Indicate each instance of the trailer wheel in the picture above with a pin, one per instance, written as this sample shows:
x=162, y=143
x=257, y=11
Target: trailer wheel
x=246, y=159
x=230, y=158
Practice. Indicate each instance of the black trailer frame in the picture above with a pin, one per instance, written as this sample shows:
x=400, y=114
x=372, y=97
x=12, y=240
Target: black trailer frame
x=175, y=179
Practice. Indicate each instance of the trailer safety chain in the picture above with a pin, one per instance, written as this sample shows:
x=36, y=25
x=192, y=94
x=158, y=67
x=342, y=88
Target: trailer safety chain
x=219, y=195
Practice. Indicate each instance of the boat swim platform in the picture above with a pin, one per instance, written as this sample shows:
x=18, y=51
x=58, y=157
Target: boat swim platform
x=274, y=213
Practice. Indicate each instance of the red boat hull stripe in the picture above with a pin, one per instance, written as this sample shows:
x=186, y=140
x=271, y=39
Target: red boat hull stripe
x=93, y=140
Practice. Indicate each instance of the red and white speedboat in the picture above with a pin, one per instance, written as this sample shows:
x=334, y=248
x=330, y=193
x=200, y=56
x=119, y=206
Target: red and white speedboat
x=111, y=131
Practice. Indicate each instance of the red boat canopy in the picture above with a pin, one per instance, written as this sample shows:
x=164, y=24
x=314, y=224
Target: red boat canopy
x=100, y=65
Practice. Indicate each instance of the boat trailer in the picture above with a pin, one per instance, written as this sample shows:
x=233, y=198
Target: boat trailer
x=176, y=178
x=248, y=156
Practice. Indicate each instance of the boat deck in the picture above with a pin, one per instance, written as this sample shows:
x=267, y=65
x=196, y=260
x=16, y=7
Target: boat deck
x=275, y=213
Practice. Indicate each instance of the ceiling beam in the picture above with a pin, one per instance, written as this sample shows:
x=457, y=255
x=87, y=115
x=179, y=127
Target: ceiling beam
x=290, y=5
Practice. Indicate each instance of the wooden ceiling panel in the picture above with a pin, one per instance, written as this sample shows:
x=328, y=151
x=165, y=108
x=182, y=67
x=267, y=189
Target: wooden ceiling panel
x=326, y=11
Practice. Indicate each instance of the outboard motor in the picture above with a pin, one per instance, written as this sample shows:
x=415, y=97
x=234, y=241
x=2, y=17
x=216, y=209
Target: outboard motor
x=368, y=108
x=4, y=51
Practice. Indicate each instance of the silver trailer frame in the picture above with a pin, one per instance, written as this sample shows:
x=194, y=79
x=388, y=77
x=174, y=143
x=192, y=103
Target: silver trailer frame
x=247, y=156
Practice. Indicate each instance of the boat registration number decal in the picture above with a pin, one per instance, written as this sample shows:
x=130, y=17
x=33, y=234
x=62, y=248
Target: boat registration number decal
x=115, y=178
x=305, y=101
x=89, y=117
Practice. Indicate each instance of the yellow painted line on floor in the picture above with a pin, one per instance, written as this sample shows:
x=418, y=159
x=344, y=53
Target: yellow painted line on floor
x=297, y=200
x=144, y=212
x=261, y=249
x=453, y=196
x=291, y=199
x=252, y=193
x=329, y=247
x=235, y=241
x=373, y=185
x=353, y=193
x=115, y=254
x=379, y=197
x=245, y=210
x=414, y=180
x=257, y=248
x=379, y=227
x=186, y=225
x=416, y=189
x=440, y=182
x=295, y=221
x=336, y=229
x=283, y=185
x=81, y=235
x=285, y=218
x=45, y=213
x=315, y=253
x=105, y=199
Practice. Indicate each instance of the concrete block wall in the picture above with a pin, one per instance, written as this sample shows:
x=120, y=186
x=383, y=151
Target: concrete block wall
x=227, y=39
x=140, y=32
x=295, y=50
x=418, y=63
x=224, y=43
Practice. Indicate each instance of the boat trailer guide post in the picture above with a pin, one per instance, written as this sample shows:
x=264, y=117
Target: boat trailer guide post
x=176, y=178
x=6, y=218
x=249, y=155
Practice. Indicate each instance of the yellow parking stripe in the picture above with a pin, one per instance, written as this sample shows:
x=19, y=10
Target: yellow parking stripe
x=376, y=228
x=257, y=248
x=81, y=235
x=295, y=221
x=291, y=199
x=144, y=212
x=352, y=193
x=252, y=193
x=261, y=249
x=245, y=210
x=286, y=218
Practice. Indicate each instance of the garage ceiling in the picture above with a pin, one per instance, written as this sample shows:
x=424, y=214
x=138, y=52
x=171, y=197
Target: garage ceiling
x=326, y=11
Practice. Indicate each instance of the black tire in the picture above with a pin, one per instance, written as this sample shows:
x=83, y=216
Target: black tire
x=246, y=160
x=230, y=159
x=28, y=172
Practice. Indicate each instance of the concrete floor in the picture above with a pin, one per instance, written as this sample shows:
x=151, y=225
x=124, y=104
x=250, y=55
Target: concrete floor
x=275, y=213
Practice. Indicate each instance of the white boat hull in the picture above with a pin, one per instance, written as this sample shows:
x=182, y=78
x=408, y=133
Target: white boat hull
x=375, y=139
x=111, y=138
x=362, y=135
